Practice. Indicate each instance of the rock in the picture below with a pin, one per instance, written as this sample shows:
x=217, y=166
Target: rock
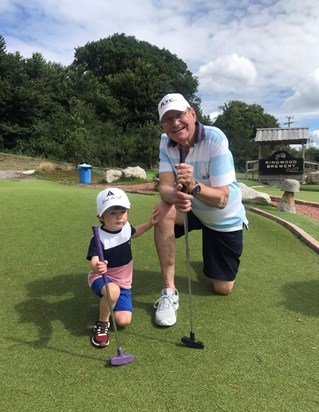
x=312, y=178
x=112, y=175
x=251, y=195
x=29, y=172
x=287, y=202
x=134, y=172
x=290, y=185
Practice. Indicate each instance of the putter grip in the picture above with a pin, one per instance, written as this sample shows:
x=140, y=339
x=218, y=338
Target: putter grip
x=182, y=154
x=98, y=243
x=182, y=160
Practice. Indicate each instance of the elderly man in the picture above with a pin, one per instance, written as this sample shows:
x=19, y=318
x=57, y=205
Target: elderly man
x=205, y=188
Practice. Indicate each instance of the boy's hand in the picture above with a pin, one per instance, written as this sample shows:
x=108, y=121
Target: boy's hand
x=101, y=267
x=155, y=216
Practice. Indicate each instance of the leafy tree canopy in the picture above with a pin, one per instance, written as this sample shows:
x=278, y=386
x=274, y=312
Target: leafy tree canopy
x=102, y=108
x=239, y=121
x=137, y=74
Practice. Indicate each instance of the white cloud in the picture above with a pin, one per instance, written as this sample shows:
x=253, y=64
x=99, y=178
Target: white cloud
x=306, y=95
x=256, y=51
x=227, y=73
x=314, y=139
x=213, y=116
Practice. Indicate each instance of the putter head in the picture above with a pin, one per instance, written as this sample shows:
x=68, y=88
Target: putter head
x=191, y=342
x=121, y=359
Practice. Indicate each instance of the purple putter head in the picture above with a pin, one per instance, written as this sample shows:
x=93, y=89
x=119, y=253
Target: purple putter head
x=121, y=358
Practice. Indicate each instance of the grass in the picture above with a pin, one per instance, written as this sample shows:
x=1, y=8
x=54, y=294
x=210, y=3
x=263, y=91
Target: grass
x=306, y=223
x=261, y=342
x=309, y=196
x=276, y=190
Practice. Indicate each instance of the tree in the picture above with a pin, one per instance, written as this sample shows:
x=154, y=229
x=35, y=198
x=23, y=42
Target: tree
x=136, y=74
x=3, y=46
x=312, y=154
x=102, y=109
x=239, y=122
x=146, y=142
x=14, y=123
x=32, y=93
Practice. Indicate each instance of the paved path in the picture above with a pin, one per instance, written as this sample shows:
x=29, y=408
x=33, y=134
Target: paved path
x=15, y=174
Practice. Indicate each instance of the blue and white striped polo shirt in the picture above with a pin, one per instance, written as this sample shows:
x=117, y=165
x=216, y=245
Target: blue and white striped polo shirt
x=213, y=166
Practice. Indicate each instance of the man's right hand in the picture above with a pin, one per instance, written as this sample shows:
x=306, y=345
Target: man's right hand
x=182, y=200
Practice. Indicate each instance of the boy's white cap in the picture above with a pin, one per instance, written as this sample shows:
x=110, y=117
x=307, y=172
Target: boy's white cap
x=109, y=198
x=173, y=101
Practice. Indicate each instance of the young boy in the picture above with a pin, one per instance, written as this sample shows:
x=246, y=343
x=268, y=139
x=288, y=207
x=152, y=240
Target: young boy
x=115, y=233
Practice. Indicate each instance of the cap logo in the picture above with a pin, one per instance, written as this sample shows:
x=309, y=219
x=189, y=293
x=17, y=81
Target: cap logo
x=110, y=193
x=165, y=102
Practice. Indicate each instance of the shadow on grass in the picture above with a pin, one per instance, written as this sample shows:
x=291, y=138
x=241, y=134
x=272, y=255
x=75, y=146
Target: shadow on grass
x=63, y=298
x=67, y=298
x=302, y=297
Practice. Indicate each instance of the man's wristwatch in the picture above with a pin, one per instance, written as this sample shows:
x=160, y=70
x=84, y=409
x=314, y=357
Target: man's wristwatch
x=197, y=189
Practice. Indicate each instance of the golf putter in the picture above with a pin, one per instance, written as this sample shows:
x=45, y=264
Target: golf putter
x=190, y=341
x=121, y=358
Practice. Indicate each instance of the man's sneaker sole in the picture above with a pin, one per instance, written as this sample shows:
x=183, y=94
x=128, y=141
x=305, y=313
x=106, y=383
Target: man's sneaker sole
x=165, y=322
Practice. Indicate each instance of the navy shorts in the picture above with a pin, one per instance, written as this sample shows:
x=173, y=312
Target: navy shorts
x=221, y=250
x=124, y=301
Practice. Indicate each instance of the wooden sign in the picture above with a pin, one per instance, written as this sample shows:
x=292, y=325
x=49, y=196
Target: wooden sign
x=281, y=163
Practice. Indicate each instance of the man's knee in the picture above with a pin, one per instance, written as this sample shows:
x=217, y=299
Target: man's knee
x=223, y=287
x=167, y=215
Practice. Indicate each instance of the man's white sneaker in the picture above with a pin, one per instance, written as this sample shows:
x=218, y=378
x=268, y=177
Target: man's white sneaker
x=166, y=307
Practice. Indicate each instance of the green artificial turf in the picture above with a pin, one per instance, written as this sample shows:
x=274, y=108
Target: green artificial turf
x=303, y=194
x=307, y=224
x=261, y=342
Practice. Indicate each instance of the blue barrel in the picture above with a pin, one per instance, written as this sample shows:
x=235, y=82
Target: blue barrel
x=85, y=172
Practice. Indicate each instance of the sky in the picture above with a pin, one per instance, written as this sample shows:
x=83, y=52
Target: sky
x=257, y=51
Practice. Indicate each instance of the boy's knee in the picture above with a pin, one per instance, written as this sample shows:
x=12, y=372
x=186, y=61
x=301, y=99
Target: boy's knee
x=123, y=320
x=223, y=287
x=123, y=323
x=114, y=291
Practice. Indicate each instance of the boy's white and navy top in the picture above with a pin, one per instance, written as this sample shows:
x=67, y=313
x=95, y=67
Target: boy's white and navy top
x=117, y=251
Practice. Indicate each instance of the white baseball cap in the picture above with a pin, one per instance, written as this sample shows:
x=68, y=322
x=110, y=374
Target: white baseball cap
x=111, y=197
x=173, y=101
